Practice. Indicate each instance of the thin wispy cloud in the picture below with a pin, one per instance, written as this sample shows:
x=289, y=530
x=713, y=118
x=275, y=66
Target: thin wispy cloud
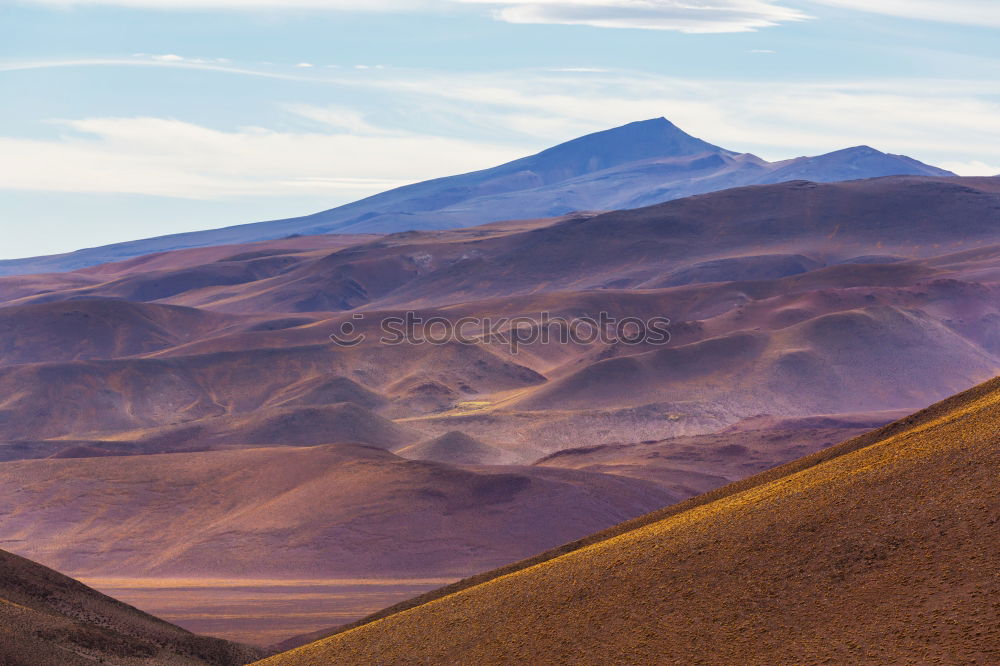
x=968, y=12
x=170, y=58
x=341, y=119
x=143, y=60
x=347, y=152
x=973, y=168
x=703, y=16
x=286, y=105
x=251, y=5
x=773, y=118
x=707, y=16
x=166, y=157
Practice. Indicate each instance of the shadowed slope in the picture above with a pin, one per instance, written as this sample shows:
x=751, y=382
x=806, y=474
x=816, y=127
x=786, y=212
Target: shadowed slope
x=327, y=391
x=98, y=329
x=46, y=400
x=840, y=362
x=286, y=426
x=884, y=547
x=48, y=619
x=320, y=512
x=696, y=464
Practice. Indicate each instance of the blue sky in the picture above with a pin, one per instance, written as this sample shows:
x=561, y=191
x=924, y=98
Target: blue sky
x=133, y=118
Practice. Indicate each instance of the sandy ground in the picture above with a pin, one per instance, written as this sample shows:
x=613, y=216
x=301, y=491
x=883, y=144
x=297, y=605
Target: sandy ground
x=261, y=612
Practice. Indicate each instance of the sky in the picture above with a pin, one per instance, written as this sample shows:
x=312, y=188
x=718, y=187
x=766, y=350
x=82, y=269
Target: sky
x=126, y=119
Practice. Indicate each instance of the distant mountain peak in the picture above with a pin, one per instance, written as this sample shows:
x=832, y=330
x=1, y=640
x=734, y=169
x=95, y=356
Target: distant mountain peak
x=656, y=138
x=660, y=124
x=859, y=150
x=853, y=163
x=636, y=164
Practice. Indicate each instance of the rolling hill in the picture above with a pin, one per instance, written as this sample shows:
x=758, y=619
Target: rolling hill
x=635, y=165
x=457, y=448
x=857, y=230
x=804, y=302
x=879, y=550
x=695, y=464
x=98, y=328
x=792, y=299
x=344, y=510
x=229, y=543
x=51, y=620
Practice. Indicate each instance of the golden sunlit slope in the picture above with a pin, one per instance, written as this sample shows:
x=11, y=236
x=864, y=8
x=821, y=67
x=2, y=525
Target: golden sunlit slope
x=880, y=550
x=49, y=619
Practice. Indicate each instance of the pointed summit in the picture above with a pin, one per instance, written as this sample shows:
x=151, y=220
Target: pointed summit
x=644, y=139
x=637, y=141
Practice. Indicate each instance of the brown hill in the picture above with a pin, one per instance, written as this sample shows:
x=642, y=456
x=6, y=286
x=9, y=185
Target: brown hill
x=734, y=235
x=199, y=256
x=46, y=400
x=82, y=451
x=327, y=391
x=639, y=248
x=288, y=426
x=51, y=620
x=696, y=464
x=13, y=288
x=839, y=362
x=321, y=512
x=880, y=550
x=791, y=299
x=98, y=329
x=456, y=448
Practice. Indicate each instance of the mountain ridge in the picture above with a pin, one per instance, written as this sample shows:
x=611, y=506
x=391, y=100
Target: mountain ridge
x=637, y=164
